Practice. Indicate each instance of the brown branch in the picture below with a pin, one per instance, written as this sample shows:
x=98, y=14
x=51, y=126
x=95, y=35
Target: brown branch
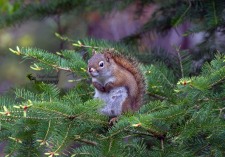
x=157, y=96
x=217, y=82
x=151, y=133
x=87, y=142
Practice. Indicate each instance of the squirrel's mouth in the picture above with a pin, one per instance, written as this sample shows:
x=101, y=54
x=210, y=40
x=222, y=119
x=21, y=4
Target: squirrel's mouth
x=94, y=74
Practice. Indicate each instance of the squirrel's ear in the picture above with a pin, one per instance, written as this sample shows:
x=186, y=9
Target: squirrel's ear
x=107, y=56
x=94, y=52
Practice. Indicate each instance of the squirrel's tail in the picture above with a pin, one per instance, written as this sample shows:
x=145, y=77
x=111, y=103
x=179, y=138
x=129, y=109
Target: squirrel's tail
x=133, y=67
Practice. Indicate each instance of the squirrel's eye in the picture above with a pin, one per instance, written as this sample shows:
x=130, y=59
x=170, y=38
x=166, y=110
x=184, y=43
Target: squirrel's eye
x=101, y=64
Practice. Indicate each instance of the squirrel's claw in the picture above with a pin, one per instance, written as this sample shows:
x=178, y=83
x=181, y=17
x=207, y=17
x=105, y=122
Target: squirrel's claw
x=113, y=121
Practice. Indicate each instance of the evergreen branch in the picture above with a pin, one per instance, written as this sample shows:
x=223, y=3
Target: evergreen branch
x=98, y=121
x=180, y=18
x=51, y=65
x=110, y=144
x=214, y=12
x=27, y=117
x=87, y=142
x=213, y=99
x=221, y=110
x=139, y=133
x=80, y=154
x=157, y=96
x=180, y=61
x=117, y=132
x=6, y=119
x=13, y=151
x=162, y=144
x=47, y=132
x=53, y=111
x=202, y=148
x=17, y=111
x=217, y=82
x=161, y=73
x=154, y=132
x=222, y=126
x=64, y=140
x=79, y=44
x=75, y=43
x=171, y=116
x=41, y=60
x=64, y=38
x=89, y=93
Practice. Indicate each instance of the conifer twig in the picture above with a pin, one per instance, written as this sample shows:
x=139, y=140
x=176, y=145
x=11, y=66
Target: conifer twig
x=214, y=13
x=117, y=132
x=165, y=77
x=139, y=133
x=87, y=142
x=182, y=15
x=66, y=136
x=42, y=61
x=217, y=82
x=162, y=144
x=157, y=96
x=54, y=111
x=47, y=132
x=180, y=61
x=200, y=149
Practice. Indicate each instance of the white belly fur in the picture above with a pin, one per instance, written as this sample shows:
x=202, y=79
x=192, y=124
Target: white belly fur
x=112, y=101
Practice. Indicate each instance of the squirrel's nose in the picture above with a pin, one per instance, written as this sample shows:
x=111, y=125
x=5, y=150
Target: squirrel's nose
x=91, y=70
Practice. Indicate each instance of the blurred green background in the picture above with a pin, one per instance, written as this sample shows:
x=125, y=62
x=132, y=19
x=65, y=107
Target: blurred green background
x=38, y=33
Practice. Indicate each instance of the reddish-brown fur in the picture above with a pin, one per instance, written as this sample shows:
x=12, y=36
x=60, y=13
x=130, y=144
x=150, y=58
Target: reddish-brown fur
x=127, y=74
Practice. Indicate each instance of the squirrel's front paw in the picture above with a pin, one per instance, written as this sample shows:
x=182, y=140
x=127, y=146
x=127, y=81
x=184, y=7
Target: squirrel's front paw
x=98, y=86
x=109, y=86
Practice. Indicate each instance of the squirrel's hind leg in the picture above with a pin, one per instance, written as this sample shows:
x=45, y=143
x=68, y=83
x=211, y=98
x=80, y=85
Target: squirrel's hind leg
x=127, y=105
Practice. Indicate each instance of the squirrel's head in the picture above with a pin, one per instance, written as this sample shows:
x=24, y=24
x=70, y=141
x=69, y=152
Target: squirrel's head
x=99, y=65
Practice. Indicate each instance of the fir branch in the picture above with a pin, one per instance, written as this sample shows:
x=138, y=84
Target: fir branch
x=98, y=121
x=165, y=77
x=180, y=61
x=27, y=117
x=221, y=110
x=110, y=144
x=89, y=93
x=154, y=132
x=217, y=82
x=214, y=12
x=139, y=132
x=81, y=154
x=48, y=129
x=44, y=57
x=64, y=140
x=115, y=133
x=51, y=65
x=162, y=144
x=157, y=96
x=53, y=111
x=202, y=148
x=171, y=116
x=13, y=151
x=182, y=15
x=79, y=44
x=64, y=38
x=87, y=142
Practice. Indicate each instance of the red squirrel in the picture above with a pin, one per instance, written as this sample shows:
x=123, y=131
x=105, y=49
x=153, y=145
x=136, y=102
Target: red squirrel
x=118, y=81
